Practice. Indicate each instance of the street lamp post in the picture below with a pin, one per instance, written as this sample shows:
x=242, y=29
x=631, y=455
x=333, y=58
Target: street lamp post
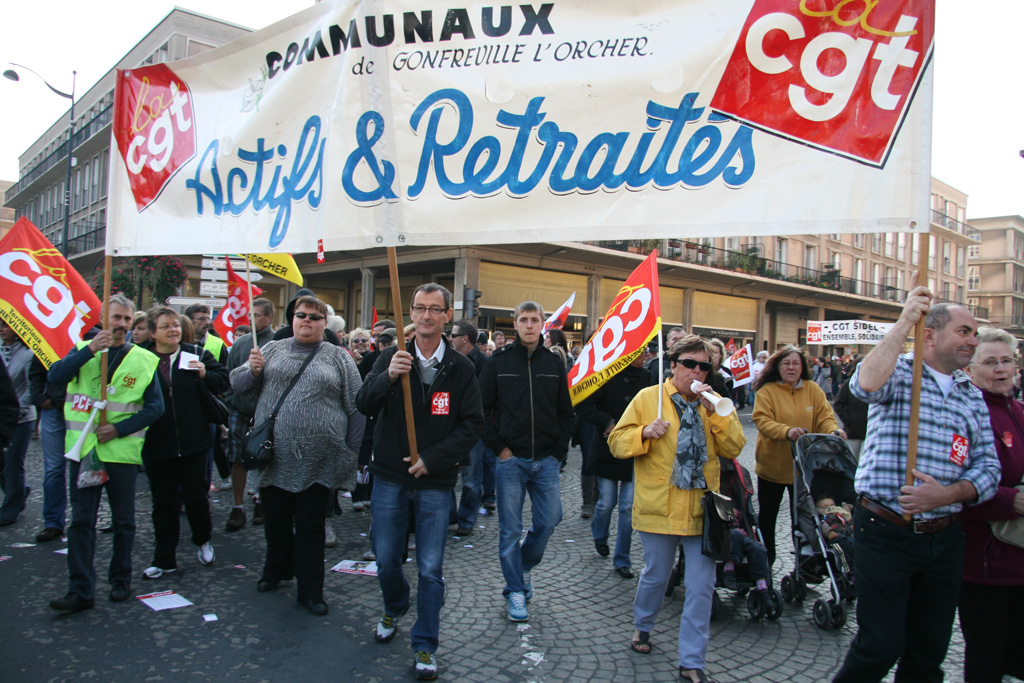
x=12, y=75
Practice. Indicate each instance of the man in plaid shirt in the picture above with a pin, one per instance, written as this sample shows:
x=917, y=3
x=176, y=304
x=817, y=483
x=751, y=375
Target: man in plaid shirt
x=908, y=573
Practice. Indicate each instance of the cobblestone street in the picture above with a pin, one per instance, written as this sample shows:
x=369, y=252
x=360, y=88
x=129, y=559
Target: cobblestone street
x=579, y=628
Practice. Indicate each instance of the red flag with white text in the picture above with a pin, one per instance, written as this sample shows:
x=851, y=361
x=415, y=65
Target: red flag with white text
x=632, y=321
x=236, y=312
x=556, y=320
x=42, y=297
x=741, y=364
x=731, y=346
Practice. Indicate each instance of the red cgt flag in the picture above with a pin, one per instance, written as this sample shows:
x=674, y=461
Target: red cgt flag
x=731, y=346
x=237, y=310
x=42, y=297
x=632, y=321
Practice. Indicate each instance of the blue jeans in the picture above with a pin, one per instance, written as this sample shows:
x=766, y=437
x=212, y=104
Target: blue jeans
x=13, y=481
x=490, y=462
x=55, y=487
x=515, y=478
x=391, y=504
x=82, y=533
x=613, y=492
x=472, y=486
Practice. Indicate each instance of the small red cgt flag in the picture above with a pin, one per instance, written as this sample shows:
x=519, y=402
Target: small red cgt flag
x=556, y=320
x=237, y=310
x=632, y=321
x=42, y=297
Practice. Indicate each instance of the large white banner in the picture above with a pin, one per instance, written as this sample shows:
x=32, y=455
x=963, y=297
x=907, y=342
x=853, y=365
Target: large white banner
x=390, y=123
x=846, y=331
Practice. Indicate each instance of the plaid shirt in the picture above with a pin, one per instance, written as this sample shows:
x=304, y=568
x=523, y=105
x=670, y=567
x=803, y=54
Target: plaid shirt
x=883, y=459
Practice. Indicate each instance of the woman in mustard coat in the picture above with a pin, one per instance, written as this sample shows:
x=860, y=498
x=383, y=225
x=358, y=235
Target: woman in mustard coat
x=675, y=460
x=789, y=405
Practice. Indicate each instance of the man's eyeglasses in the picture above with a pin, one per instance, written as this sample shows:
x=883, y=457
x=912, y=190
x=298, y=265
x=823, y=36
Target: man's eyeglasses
x=315, y=317
x=433, y=310
x=456, y=336
x=690, y=364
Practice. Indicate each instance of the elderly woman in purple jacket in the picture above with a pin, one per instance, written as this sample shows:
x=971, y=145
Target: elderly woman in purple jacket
x=992, y=595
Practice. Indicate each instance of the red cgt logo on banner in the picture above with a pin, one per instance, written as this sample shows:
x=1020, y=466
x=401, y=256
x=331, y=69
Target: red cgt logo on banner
x=42, y=298
x=154, y=127
x=237, y=310
x=632, y=321
x=835, y=74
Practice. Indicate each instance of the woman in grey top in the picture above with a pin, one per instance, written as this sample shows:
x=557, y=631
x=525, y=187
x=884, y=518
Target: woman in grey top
x=316, y=439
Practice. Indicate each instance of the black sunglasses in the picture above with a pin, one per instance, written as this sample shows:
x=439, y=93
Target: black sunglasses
x=690, y=364
x=301, y=315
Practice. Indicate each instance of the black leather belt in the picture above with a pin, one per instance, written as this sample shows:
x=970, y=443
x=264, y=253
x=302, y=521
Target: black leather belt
x=929, y=526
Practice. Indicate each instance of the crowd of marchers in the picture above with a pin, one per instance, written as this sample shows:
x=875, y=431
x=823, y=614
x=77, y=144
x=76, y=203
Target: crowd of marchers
x=496, y=411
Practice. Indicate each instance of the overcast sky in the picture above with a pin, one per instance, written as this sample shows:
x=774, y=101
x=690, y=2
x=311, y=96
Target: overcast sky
x=978, y=128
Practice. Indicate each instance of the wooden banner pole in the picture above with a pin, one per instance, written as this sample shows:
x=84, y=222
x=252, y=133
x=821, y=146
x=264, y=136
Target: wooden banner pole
x=923, y=251
x=252, y=312
x=396, y=297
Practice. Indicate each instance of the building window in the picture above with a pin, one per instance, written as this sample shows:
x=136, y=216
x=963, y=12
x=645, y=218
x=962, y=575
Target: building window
x=810, y=257
x=876, y=242
x=933, y=253
x=901, y=246
x=961, y=262
x=974, y=251
x=973, y=281
x=947, y=252
x=890, y=245
x=858, y=240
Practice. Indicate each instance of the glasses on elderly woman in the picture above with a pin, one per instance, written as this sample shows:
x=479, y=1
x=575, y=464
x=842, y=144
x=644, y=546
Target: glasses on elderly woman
x=302, y=315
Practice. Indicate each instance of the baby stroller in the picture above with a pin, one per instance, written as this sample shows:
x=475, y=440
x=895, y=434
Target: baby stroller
x=823, y=467
x=737, y=485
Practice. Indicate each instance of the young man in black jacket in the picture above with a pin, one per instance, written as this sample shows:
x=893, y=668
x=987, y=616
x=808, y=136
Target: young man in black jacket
x=448, y=419
x=526, y=395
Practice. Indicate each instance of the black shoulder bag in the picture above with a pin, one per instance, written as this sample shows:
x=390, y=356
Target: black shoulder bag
x=718, y=516
x=258, y=445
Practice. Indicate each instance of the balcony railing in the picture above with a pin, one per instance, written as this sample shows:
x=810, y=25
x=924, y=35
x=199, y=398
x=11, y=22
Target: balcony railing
x=94, y=239
x=827, y=278
x=953, y=224
x=94, y=126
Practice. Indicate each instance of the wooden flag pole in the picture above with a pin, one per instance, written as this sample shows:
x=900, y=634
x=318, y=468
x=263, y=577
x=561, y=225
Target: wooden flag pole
x=396, y=297
x=107, y=264
x=661, y=378
x=252, y=313
x=923, y=251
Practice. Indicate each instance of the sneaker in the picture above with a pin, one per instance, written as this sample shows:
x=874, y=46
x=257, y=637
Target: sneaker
x=205, y=554
x=257, y=513
x=387, y=627
x=225, y=484
x=236, y=520
x=528, y=584
x=330, y=538
x=359, y=505
x=369, y=556
x=155, y=572
x=426, y=666
x=517, y=607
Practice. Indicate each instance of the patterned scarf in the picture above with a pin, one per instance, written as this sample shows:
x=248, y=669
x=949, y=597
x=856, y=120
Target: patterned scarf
x=691, y=446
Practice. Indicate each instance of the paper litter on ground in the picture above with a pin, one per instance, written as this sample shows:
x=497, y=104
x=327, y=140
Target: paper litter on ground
x=163, y=600
x=356, y=567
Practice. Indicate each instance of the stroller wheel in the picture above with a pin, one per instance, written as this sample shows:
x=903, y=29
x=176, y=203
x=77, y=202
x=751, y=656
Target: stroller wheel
x=801, y=589
x=838, y=614
x=756, y=605
x=788, y=588
x=716, y=604
x=773, y=608
x=821, y=612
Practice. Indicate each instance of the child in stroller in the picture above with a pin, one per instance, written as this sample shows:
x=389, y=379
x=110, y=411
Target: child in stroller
x=747, y=571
